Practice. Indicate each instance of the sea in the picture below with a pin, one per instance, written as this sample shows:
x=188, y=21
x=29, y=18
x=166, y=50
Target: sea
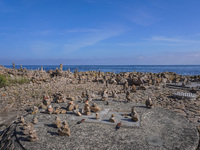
x=179, y=69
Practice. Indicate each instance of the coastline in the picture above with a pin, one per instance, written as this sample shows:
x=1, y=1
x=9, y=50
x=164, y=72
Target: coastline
x=179, y=69
x=18, y=99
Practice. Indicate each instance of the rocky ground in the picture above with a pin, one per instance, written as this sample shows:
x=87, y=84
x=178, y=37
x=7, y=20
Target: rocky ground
x=18, y=99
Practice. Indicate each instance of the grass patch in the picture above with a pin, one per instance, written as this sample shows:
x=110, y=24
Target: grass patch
x=3, y=81
x=7, y=81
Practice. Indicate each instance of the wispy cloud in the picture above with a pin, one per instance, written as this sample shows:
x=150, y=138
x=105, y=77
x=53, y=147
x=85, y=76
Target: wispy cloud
x=93, y=38
x=142, y=17
x=86, y=37
x=64, y=31
x=173, y=40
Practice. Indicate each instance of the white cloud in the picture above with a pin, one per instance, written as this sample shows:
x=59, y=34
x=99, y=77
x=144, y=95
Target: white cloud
x=173, y=40
x=92, y=38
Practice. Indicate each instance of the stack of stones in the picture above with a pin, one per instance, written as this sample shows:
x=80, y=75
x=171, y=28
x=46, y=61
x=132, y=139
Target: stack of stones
x=87, y=110
x=134, y=115
x=112, y=118
x=64, y=130
x=59, y=97
x=149, y=103
x=70, y=106
x=104, y=96
x=46, y=102
x=95, y=108
x=57, y=122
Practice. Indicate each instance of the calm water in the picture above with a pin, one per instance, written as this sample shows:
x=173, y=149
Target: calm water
x=180, y=69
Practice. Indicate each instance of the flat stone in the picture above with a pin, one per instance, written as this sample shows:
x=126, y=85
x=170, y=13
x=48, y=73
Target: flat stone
x=188, y=96
x=154, y=141
x=157, y=128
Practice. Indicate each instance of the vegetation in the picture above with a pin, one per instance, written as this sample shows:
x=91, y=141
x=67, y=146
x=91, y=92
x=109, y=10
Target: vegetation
x=3, y=81
x=7, y=81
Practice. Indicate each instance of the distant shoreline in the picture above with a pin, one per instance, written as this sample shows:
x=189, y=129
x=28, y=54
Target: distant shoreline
x=179, y=69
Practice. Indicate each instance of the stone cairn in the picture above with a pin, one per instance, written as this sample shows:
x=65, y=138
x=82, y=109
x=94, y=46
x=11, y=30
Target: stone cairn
x=41, y=68
x=149, y=103
x=64, y=130
x=34, y=110
x=87, y=110
x=13, y=65
x=95, y=108
x=114, y=95
x=133, y=88
x=28, y=129
x=77, y=112
x=61, y=67
x=125, y=86
x=97, y=116
x=112, y=118
x=35, y=121
x=58, y=110
x=46, y=102
x=79, y=80
x=21, y=120
x=58, y=97
x=50, y=109
x=134, y=115
x=57, y=122
x=88, y=96
x=70, y=106
x=128, y=98
x=104, y=96
x=33, y=136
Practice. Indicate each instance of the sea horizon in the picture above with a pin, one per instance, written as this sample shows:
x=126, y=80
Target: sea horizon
x=179, y=69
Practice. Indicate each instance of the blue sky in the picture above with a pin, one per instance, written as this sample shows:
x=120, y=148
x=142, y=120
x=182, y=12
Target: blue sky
x=132, y=32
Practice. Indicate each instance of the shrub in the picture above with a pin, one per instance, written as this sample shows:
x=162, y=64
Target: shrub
x=6, y=81
x=3, y=81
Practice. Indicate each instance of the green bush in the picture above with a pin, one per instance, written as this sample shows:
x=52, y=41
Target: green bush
x=3, y=81
x=6, y=81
